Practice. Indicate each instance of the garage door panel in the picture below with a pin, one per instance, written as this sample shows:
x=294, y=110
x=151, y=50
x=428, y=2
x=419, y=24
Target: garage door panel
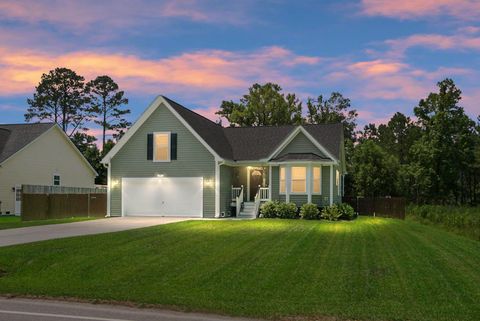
x=175, y=196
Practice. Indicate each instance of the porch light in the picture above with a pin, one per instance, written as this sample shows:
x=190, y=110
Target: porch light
x=115, y=183
x=208, y=183
x=160, y=175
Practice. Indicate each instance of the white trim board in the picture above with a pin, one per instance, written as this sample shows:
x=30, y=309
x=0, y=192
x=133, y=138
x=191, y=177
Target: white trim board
x=157, y=102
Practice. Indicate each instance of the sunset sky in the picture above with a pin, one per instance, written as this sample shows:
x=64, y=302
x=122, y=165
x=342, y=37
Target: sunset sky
x=384, y=55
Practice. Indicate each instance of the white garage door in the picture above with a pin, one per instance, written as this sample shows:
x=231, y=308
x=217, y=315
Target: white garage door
x=162, y=196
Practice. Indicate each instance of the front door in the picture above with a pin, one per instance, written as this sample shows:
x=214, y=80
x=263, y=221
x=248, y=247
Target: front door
x=256, y=179
x=18, y=200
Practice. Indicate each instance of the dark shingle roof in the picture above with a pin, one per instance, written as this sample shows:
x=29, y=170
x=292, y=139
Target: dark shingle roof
x=254, y=143
x=300, y=156
x=14, y=137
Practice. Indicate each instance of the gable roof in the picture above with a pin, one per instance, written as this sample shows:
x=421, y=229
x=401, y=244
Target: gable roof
x=235, y=143
x=14, y=137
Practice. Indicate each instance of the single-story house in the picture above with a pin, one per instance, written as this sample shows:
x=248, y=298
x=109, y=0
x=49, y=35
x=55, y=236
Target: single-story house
x=38, y=154
x=175, y=162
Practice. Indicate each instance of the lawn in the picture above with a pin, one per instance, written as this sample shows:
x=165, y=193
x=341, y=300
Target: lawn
x=7, y=222
x=368, y=269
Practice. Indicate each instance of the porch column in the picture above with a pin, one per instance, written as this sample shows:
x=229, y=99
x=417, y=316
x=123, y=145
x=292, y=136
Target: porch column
x=270, y=182
x=309, y=183
x=331, y=184
x=288, y=175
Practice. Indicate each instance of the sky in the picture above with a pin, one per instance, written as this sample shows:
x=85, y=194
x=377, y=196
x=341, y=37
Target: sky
x=384, y=55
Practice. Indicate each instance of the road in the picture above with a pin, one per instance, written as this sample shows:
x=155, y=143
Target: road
x=46, y=310
x=55, y=231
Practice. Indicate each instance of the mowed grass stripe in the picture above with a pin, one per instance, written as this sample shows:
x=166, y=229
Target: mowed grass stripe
x=368, y=269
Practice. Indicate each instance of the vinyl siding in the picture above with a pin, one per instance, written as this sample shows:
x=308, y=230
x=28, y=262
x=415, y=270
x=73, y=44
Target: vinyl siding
x=193, y=159
x=275, y=183
x=301, y=144
x=49, y=154
x=226, y=175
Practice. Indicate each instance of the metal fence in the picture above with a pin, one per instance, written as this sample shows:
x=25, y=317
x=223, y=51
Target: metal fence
x=52, y=202
x=378, y=206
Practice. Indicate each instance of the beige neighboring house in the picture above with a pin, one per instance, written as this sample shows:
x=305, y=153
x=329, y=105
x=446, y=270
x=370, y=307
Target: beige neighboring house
x=38, y=154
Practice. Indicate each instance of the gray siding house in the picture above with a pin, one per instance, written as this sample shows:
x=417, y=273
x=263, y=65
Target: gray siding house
x=175, y=162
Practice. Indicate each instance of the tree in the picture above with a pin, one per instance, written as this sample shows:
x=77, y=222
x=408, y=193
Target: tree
x=374, y=170
x=60, y=98
x=264, y=105
x=448, y=143
x=106, y=100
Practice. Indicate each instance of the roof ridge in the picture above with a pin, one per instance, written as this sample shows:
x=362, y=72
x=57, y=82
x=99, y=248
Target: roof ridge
x=28, y=124
x=188, y=109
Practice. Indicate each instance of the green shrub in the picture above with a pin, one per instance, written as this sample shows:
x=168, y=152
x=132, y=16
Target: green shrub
x=331, y=213
x=309, y=211
x=287, y=210
x=269, y=209
x=462, y=220
x=348, y=213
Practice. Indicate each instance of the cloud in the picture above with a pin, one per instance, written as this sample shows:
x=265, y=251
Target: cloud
x=209, y=113
x=205, y=70
x=433, y=42
x=414, y=9
x=89, y=14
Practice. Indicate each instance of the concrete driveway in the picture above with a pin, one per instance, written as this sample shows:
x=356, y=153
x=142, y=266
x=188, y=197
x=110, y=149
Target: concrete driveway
x=57, y=231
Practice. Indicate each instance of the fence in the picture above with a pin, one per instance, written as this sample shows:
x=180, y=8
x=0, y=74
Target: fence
x=378, y=206
x=52, y=202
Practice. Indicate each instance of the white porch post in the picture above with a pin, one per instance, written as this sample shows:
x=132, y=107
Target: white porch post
x=288, y=175
x=331, y=184
x=109, y=187
x=309, y=183
x=217, y=188
x=270, y=182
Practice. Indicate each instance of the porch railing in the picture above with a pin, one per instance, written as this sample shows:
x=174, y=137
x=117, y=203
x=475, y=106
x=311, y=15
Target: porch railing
x=263, y=193
x=239, y=201
x=236, y=191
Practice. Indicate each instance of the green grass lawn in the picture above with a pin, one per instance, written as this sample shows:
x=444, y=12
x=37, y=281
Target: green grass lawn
x=7, y=222
x=368, y=269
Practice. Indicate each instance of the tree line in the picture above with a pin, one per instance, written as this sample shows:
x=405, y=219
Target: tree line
x=431, y=158
x=63, y=97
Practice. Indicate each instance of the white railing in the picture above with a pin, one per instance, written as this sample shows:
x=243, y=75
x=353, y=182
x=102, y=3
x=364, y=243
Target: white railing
x=236, y=192
x=239, y=201
x=264, y=191
x=257, y=202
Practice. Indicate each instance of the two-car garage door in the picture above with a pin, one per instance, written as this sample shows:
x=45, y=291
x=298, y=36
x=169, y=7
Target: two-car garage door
x=162, y=196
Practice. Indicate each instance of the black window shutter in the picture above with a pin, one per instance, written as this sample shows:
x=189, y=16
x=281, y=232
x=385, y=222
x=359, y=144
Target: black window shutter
x=173, y=146
x=149, y=146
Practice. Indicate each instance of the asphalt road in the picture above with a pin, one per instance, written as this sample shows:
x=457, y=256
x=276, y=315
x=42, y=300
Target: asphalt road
x=55, y=231
x=46, y=310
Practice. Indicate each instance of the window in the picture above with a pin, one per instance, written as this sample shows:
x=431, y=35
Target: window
x=317, y=181
x=161, y=147
x=18, y=194
x=299, y=179
x=337, y=181
x=282, y=179
x=56, y=180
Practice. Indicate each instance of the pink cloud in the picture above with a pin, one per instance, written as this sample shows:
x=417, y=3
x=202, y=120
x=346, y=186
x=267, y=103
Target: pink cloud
x=376, y=67
x=209, y=113
x=206, y=70
x=413, y=9
x=87, y=14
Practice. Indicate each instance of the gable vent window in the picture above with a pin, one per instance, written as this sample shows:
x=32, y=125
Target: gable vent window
x=56, y=180
x=161, y=147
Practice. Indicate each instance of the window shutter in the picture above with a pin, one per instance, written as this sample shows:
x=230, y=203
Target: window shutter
x=173, y=146
x=149, y=146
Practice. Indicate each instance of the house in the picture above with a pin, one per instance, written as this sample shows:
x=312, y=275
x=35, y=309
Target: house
x=38, y=154
x=175, y=162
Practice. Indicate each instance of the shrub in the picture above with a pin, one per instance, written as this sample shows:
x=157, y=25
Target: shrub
x=269, y=209
x=309, y=211
x=331, y=213
x=286, y=210
x=348, y=213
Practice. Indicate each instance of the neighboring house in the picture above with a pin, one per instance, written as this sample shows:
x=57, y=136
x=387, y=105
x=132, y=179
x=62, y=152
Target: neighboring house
x=38, y=154
x=175, y=162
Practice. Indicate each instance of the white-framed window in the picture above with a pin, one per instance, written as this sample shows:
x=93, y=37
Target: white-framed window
x=161, y=147
x=337, y=181
x=56, y=179
x=298, y=179
x=317, y=180
x=282, y=180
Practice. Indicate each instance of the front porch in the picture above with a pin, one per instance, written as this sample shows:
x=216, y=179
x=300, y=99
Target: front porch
x=298, y=182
